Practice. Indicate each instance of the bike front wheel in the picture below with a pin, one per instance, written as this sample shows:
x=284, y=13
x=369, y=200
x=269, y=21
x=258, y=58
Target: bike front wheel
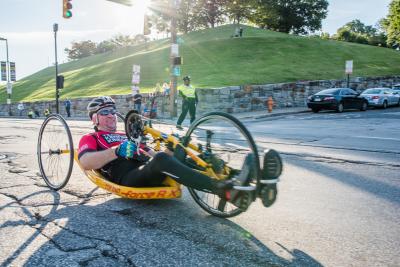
x=223, y=142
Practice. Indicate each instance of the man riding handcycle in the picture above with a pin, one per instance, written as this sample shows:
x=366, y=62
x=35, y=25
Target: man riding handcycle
x=127, y=160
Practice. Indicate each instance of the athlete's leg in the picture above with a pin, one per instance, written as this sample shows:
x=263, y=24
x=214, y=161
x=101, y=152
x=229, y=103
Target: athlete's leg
x=154, y=172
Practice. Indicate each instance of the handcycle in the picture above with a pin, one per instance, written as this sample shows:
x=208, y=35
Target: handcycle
x=215, y=145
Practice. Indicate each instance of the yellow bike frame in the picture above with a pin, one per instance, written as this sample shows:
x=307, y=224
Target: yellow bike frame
x=172, y=189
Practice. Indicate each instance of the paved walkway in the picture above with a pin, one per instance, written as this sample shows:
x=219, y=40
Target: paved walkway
x=253, y=115
x=241, y=116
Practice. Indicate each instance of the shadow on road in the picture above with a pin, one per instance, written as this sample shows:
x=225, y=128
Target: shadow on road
x=122, y=232
x=35, y=221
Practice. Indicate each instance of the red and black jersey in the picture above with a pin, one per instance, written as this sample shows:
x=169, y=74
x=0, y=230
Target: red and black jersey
x=99, y=141
x=102, y=140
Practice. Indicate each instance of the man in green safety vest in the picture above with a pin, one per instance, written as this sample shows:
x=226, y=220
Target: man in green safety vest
x=188, y=93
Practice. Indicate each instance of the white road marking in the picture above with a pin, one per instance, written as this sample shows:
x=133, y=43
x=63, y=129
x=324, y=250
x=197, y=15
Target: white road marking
x=392, y=113
x=382, y=138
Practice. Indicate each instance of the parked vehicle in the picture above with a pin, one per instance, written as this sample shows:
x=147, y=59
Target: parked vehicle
x=337, y=99
x=381, y=97
x=396, y=88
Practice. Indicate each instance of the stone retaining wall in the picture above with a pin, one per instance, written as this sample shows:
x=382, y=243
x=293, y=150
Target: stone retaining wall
x=232, y=99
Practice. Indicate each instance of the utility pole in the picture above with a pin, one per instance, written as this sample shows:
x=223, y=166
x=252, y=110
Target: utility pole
x=8, y=78
x=173, y=89
x=55, y=29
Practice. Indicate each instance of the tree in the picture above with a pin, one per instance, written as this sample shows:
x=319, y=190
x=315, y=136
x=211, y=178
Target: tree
x=140, y=39
x=238, y=10
x=392, y=24
x=105, y=46
x=80, y=50
x=290, y=16
x=123, y=40
x=356, y=26
x=209, y=12
x=357, y=32
x=187, y=18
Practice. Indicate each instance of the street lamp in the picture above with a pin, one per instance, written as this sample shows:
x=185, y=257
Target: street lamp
x=8, y=77
x=55, y=29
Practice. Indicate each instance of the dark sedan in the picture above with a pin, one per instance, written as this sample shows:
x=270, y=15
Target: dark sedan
x=337, y=99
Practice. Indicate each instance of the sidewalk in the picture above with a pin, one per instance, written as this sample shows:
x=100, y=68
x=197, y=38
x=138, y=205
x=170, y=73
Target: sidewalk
x=243, y=116
x=265, y=114
x=251, y=115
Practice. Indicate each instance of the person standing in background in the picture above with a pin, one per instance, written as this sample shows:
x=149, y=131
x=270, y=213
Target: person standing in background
x=21, y=108
x=67, y=104
x=190, y=100
x=137, y=101
x=166, y=88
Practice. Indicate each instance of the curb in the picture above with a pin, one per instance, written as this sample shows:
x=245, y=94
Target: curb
x=246, y=117
x=257, y=117
x=280, y=114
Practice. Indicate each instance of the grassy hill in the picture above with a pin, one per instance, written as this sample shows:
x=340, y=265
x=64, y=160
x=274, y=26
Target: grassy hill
x=213, y=59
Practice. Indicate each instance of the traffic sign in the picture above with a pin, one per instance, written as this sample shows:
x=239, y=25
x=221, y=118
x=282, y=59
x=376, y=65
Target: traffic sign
x=135, y=78
x=136, y=68
x=349, y=67
x=177, y=71
x=9, y=88
x=3, y=71
x=12, y=72
x=174, y=50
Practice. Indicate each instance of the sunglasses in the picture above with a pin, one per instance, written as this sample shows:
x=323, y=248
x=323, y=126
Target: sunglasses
x=105, y=112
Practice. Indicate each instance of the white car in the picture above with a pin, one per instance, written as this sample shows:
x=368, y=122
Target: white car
x=396, y=88
x=381, y=97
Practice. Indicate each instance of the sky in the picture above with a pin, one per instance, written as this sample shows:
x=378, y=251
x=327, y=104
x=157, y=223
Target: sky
x=28, y=25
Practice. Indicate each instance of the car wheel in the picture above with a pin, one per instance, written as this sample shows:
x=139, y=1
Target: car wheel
x=340, y=107
x=315, y=110
x=384, y=106
x=364, y=106
x=398, y=103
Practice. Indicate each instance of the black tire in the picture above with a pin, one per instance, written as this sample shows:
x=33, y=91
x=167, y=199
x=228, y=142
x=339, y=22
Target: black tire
x=340, y=108
x=315, y=110
x=384, y=105
x=398, y=103
x=364, y=106
x=212, y=203
x=55, y=151
x=133, y=125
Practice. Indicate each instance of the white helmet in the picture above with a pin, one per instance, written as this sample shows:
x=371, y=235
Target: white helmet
x=98, y=103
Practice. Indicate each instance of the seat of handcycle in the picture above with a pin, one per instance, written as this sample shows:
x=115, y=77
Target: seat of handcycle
x=169, y=189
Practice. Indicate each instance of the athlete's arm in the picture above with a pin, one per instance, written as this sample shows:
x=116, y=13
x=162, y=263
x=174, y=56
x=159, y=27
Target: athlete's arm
x=97, y=159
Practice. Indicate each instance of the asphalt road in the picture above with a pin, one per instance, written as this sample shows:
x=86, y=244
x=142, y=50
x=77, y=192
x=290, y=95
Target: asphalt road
x=338, y=205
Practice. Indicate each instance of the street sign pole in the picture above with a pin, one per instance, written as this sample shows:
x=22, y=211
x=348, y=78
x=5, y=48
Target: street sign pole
x=348, y=80
x=8, y=81
x=173, y=95
x=348, y=71
x=8, y=77
x=135, y=79
x=55, y=29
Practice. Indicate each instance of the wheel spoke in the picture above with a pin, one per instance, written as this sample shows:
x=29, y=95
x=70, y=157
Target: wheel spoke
x=54, y=137
x=225, y=149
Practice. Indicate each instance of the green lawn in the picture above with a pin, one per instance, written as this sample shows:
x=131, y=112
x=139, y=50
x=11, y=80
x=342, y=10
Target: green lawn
x=213, y=59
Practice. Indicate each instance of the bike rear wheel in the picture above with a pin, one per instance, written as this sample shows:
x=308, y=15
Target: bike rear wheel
x=221, y=137
x=55, y=151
